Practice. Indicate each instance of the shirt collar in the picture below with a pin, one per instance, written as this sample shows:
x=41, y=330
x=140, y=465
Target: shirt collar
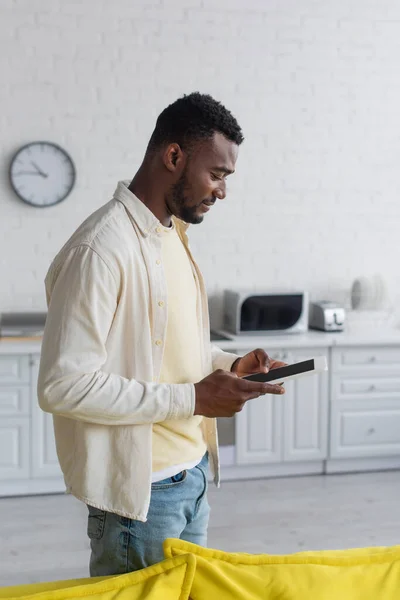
x=143, y=217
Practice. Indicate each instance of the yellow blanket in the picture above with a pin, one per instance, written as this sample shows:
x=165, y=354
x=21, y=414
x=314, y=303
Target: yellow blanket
x=192, y=572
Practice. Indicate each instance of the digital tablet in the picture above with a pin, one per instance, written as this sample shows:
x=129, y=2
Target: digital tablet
x=306, y=367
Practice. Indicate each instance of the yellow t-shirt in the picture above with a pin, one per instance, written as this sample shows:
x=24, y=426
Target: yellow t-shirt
x=177, y=442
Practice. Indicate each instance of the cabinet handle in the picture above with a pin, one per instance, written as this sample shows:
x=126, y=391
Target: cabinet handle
x=371, y=431
x=372, y=359
x=372, y=388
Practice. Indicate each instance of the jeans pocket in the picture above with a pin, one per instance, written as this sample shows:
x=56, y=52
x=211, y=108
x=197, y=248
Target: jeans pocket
x=96, y=522
x=203, y=466
x=169, y=482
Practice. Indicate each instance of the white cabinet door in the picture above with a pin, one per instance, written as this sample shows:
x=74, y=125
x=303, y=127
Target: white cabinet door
x=14, y=448
x=258, y=431
x=305, y=414
x=289, y=428
x=44, y=456
x=14, y=401
x=14, y=369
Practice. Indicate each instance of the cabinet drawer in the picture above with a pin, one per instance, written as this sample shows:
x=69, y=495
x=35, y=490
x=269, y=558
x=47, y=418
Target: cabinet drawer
x=369, y=430
x=14, y=401
x=369, y=386
x=14, y=369
x=368, y=359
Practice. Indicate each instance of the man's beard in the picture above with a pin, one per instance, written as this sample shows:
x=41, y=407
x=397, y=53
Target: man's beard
x=179, y=202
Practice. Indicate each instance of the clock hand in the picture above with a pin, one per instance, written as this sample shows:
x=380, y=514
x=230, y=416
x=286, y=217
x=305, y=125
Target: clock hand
x=38, y=170
x=28, y=173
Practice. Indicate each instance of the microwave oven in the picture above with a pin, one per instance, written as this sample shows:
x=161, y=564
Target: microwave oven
x=253, y=313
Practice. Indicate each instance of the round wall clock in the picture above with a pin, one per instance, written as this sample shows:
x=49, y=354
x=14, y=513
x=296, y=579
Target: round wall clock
x=42, y=174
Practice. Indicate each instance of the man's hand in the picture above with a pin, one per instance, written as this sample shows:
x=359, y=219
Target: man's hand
x=223, y=394
x=256, y=361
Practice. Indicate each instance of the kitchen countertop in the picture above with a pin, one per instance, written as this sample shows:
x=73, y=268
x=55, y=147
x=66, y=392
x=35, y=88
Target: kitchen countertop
x=311, y=339
x=20, y=346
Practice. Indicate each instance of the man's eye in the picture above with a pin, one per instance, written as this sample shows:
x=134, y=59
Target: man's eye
x=215, y=178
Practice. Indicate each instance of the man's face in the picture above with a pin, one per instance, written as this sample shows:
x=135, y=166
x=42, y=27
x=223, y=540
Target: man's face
x=203, y=179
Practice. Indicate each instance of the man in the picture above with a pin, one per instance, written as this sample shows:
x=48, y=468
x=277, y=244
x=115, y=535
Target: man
x=127, y=368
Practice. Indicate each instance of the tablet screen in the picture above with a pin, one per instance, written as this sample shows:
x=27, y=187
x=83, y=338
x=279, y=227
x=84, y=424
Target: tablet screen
x=282, y=372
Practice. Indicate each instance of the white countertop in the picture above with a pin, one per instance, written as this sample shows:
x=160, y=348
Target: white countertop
x=311, y=339
x=315, y=339
x=19, y=346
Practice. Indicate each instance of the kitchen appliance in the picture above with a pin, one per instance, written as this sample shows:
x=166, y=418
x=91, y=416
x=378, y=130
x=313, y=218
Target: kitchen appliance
x=327, y=316
x=368, y=293
x=22, y=324
x=216, y=336
x=255, y=313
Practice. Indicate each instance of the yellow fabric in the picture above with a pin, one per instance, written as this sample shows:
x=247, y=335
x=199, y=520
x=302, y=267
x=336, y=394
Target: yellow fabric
x=167, y=580
x=179, y=441
x=28, y=590
x=359, y=574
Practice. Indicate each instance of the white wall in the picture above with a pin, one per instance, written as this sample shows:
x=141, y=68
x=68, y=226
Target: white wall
x=315, y=85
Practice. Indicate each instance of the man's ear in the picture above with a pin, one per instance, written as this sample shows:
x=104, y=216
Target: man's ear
x=173, y=157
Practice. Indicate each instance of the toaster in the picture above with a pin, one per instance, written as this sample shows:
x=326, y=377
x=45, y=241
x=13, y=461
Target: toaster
x=326, y=316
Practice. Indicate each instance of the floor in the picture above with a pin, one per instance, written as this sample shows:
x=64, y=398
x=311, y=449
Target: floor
x=43, y=538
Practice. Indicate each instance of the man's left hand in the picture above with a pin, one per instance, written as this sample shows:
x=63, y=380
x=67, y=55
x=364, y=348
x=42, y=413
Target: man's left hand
x=256, y=361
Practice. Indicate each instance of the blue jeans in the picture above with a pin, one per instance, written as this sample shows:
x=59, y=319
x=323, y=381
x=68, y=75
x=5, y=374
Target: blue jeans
x=178, y=509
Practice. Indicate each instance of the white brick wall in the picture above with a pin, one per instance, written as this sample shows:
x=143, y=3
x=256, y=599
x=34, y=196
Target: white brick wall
x=315, y=85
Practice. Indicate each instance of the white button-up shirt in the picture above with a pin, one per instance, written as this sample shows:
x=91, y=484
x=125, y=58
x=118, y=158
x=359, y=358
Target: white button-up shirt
x=102, y=353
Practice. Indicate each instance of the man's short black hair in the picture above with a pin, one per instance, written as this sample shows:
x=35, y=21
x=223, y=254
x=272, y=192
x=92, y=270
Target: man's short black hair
x=192, y=118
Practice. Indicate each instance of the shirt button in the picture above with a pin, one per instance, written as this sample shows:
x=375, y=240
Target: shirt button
x=158, y=229
x=158, y=261
x=158, y=342
x=161, y=303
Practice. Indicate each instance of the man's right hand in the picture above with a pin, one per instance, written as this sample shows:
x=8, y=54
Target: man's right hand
x=223, y=394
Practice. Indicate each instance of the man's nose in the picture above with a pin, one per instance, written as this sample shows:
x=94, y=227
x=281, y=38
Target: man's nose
x=220, y=193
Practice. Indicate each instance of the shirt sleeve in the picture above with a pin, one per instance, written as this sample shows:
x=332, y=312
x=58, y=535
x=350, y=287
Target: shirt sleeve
x=81, y=308
x=222, y=360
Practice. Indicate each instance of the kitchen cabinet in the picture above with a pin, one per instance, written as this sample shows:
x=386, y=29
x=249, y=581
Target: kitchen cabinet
x=365, y=402
x=14, y=369
x=258, y=431
x=14, y=417
x=289, y=428
x=305, y=413
x=14, y=448
x=28, y=459
x=347, y=419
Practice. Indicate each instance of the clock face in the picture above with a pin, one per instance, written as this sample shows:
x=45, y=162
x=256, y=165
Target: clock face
x=42, y=174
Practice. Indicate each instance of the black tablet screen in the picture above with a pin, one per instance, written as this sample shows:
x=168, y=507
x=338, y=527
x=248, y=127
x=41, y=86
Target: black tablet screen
x=295, y=369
